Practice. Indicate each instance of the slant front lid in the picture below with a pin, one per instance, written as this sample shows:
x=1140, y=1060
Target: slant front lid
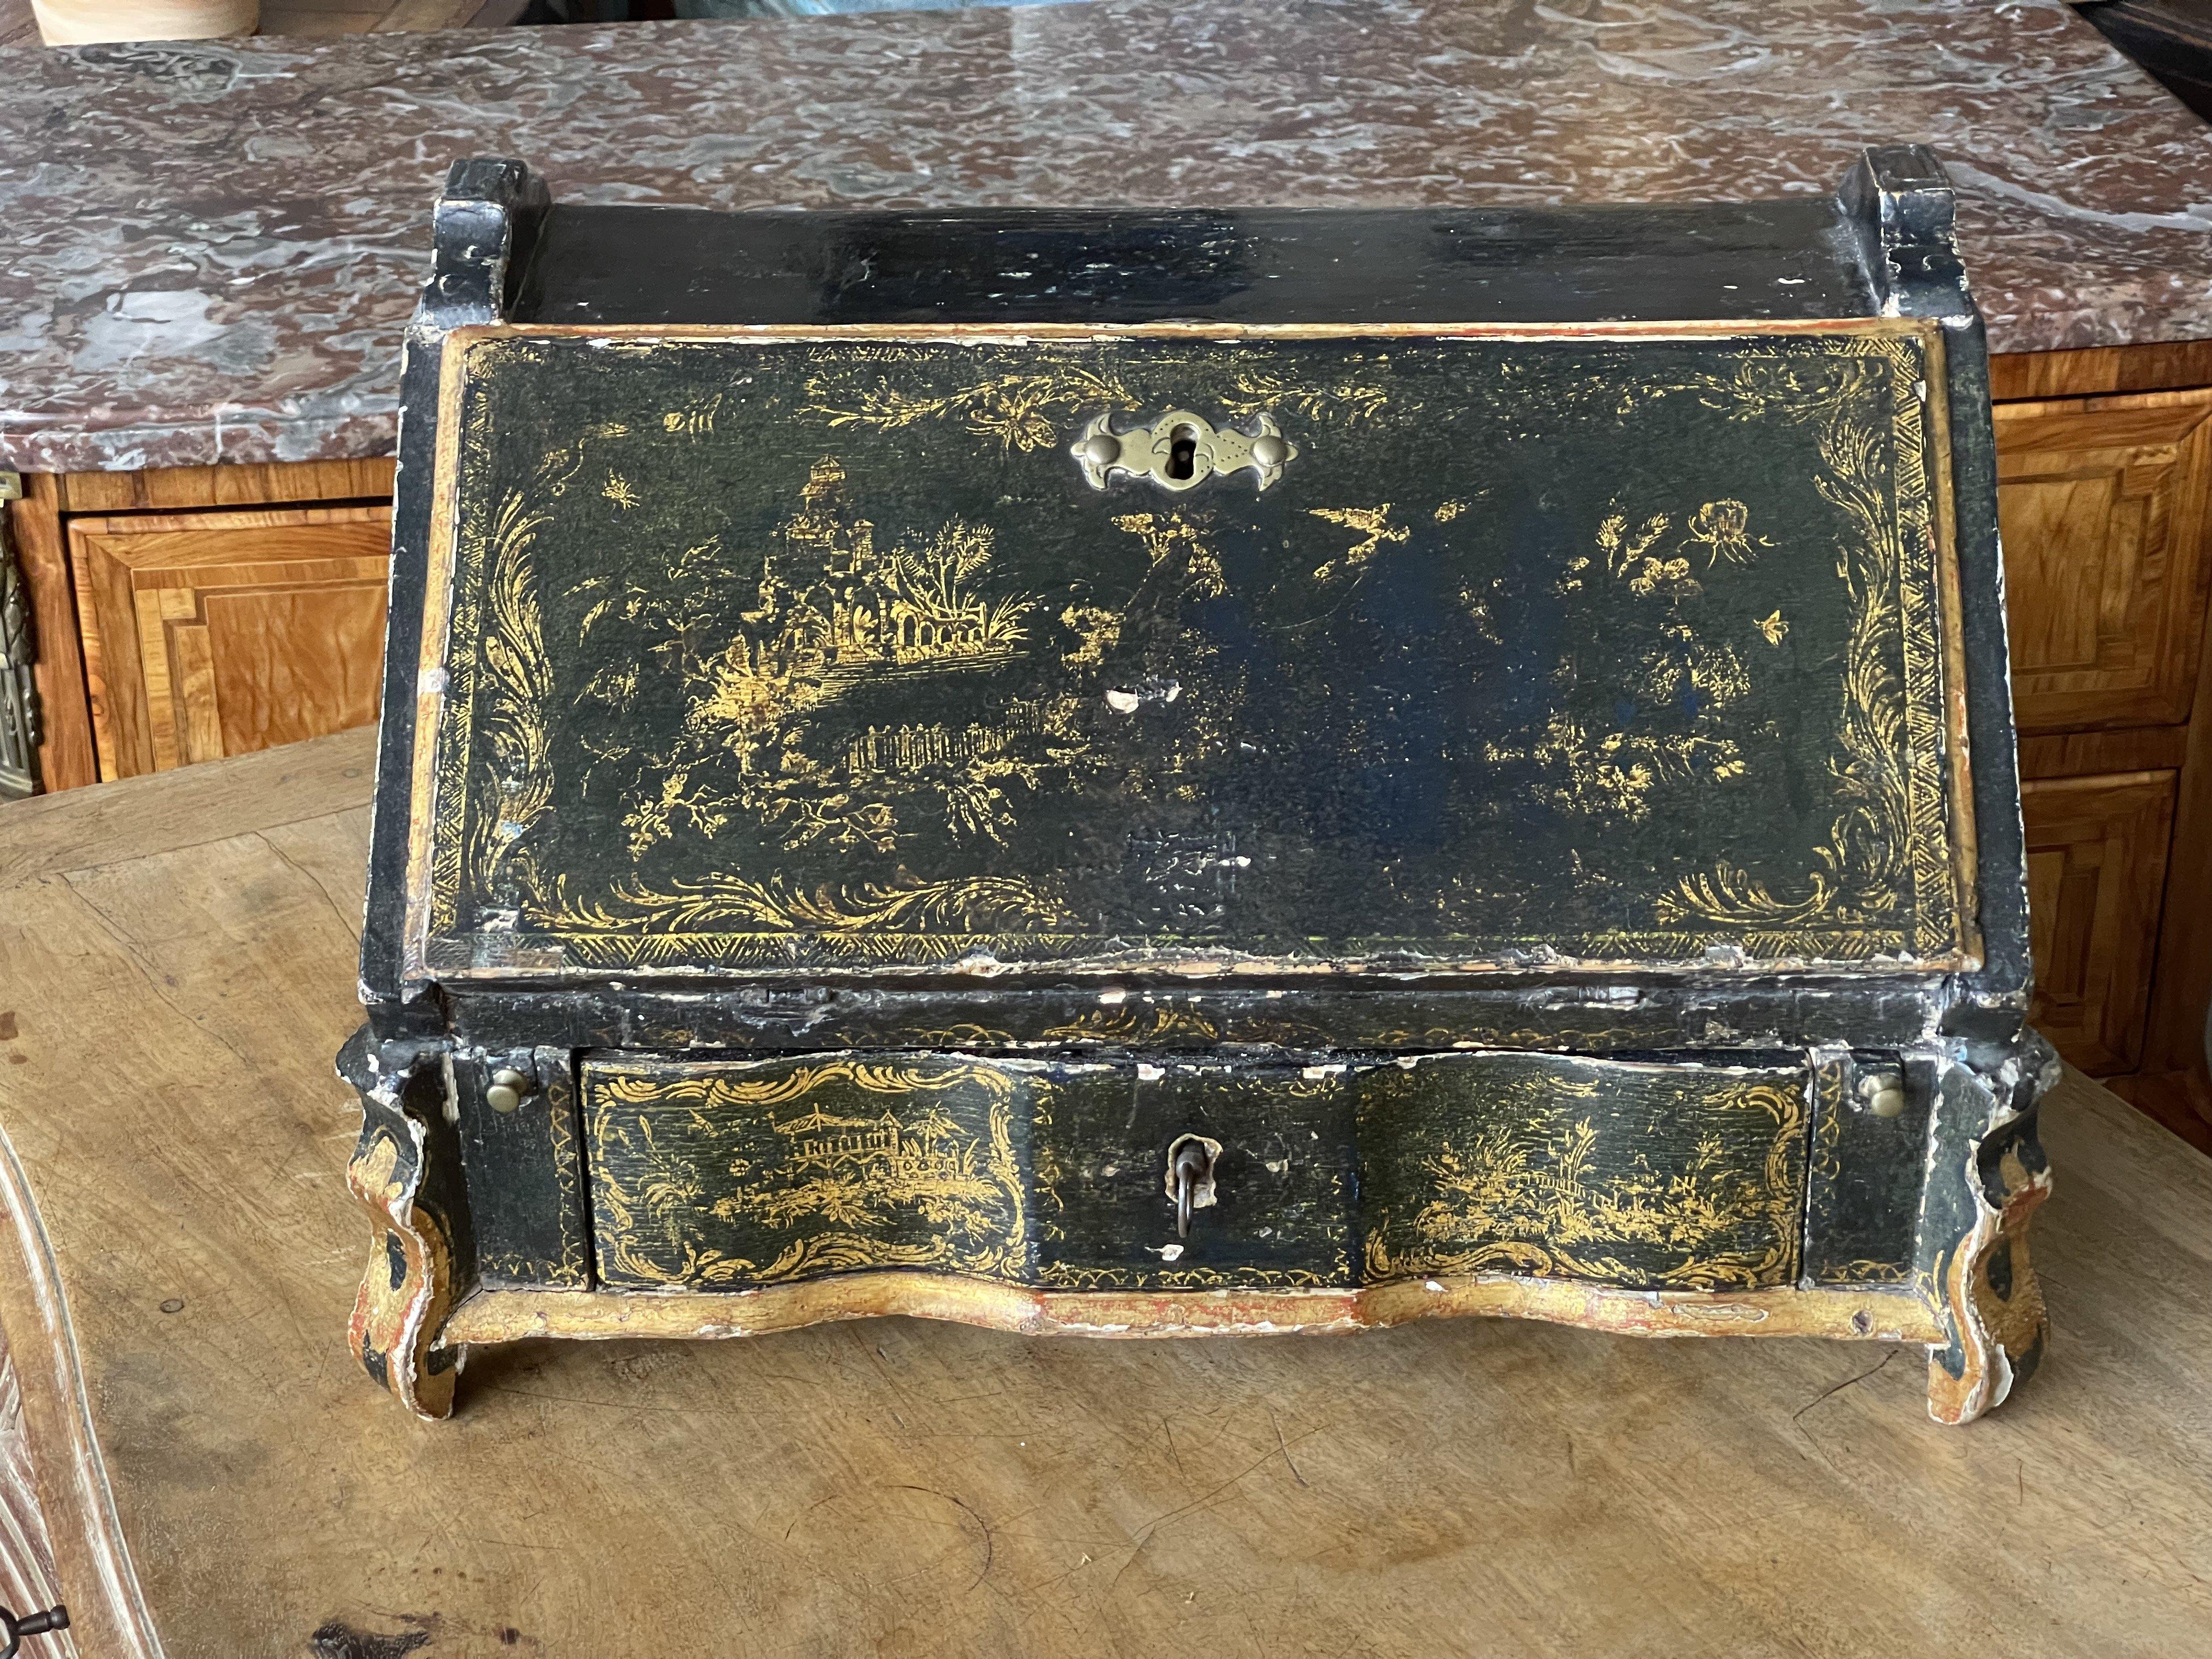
x=1271, y=651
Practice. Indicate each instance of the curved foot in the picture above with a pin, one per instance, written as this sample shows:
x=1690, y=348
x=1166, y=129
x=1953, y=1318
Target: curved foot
x=1992, y=1300
x=408, y=1288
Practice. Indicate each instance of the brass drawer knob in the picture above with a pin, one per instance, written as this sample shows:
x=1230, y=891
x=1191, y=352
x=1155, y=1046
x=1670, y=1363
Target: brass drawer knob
x=1883, y=1093
x=507, y=1088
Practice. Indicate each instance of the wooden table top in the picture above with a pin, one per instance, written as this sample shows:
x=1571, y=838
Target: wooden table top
x=215, y=1475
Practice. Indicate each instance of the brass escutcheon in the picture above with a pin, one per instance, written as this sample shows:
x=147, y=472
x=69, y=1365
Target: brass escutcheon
x=1181, y=450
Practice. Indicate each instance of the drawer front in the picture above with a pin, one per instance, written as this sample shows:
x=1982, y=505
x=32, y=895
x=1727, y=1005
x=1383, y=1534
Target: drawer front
x=2096, y=877
x=2102, y=506
x=1680, y=1176
x=1279, y=1211
x=735, y=1175
x=731, y=1176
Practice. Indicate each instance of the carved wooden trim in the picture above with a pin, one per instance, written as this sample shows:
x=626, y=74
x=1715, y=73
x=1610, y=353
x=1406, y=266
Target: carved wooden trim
x=1992, y=1301
x=1888, y=1314
x=408, y=1286
x=27, y=1576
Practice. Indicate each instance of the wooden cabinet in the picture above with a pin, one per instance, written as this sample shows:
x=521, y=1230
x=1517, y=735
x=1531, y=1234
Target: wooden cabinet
x=2096, y=870
x=211, y=634
x=2102, y=501
x=2108, y=566
x=188, y=611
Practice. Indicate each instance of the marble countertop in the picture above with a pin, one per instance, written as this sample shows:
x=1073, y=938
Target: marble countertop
x=211, y=247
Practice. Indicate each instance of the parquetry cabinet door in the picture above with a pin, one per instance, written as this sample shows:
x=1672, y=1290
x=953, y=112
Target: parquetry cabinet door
x=213, y=634
x=2102, y=505
x=2096, y=865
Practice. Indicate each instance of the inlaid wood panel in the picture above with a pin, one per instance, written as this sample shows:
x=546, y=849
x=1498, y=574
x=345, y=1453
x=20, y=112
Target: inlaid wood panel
x=2096, y=869
x=213, y=634
x=2102, y=503
x=274, y=483
x=2157, y=367
x=2080, y=754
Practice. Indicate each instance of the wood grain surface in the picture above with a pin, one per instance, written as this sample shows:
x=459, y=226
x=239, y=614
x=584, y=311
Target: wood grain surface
x=213, y=634
x=2149, y=366
x=2107, y=560
x=175, y=969
x=2095, y=846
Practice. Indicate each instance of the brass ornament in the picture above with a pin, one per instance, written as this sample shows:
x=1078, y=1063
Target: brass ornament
x=1181, y=450
x=507, y=1088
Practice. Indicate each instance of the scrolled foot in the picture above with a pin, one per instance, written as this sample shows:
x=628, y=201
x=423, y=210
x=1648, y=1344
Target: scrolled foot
x=1992, y=1300
x=408, y=1288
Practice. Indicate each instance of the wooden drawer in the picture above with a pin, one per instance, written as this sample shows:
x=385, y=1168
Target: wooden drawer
x=1681, y=1176
x=733, y=1175
x=213, y=634
x=2102, y=503
x=2096, y=872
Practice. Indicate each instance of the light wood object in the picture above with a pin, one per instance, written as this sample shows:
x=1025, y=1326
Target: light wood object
x=19, y=25
x=2102, y=501
x=2096, y=847
x=85, y=22
x=213, y=634
x=216, y=1476
x=203, y=503
x=2105, y=458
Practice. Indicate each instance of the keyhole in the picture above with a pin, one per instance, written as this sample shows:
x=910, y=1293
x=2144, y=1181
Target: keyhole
x=1182, y=452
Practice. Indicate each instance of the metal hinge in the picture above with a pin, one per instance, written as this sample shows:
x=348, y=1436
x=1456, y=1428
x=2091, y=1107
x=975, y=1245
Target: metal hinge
x=19, y=694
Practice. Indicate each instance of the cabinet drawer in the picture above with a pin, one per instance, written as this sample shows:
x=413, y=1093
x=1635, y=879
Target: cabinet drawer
x=2096, y=875
x=733, y=1175
x=213, y=634
x=2102, y=506
x=740, y=1174
x=1682, y=1177
x=1278, y=1210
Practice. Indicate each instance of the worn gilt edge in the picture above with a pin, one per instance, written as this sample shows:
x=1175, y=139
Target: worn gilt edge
x=406, y=1291
x=1950, y=597
x=430, y=673
x=509, y=1315
x=433, y=798
x=1985, y=1373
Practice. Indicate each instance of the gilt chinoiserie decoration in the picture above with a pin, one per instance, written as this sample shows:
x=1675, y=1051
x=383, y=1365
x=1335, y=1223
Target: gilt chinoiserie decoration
x=1301, y=771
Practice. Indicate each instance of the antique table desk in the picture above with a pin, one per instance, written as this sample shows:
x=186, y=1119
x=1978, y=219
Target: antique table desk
x=178, y=1243
x=1172, y=774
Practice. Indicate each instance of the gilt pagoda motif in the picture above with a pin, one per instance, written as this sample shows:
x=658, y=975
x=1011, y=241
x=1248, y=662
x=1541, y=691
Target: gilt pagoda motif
x=832, y=607
x=793, y=725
